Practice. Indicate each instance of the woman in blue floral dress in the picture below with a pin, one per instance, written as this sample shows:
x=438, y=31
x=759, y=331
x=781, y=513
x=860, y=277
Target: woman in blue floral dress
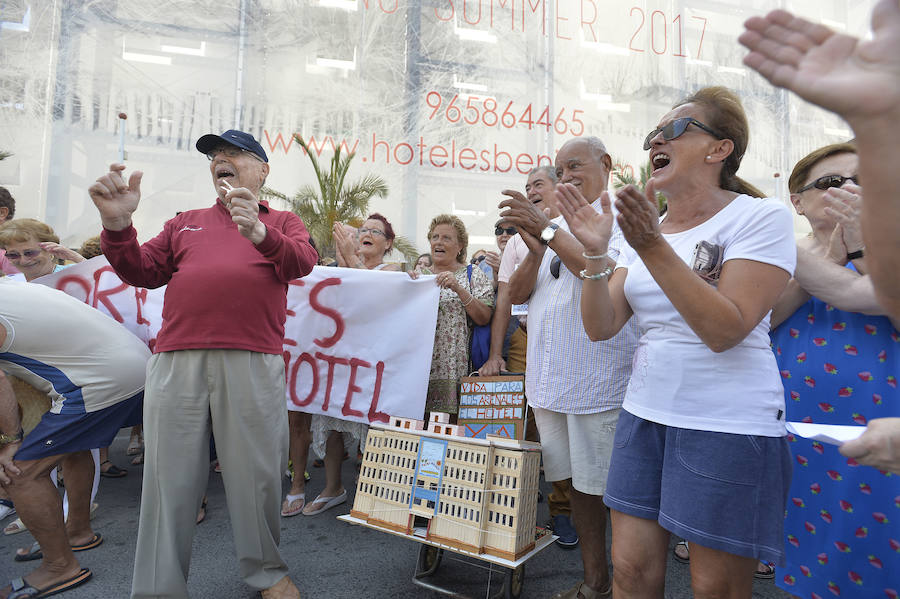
x=838, y=366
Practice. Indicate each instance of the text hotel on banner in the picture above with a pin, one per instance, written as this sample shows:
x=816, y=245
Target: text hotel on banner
x=357, y=344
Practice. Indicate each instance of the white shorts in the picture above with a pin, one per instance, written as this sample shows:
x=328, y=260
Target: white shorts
x=577, y=446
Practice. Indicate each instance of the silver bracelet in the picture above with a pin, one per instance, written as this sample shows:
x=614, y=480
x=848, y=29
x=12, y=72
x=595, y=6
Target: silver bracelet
x=599, y=257
x=596, y=277
x=471, y=299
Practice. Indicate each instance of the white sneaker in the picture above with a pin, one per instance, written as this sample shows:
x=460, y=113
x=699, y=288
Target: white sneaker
x=6, y=508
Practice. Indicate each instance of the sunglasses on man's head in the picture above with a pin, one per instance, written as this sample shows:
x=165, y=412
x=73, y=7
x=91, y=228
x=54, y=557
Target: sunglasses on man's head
x=676, y=129
x=508, y=230
x=26, y=253
x=829, y=181
x=554, y=266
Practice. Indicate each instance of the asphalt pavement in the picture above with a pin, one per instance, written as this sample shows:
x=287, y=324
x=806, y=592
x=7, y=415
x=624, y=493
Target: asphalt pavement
x=327, y=558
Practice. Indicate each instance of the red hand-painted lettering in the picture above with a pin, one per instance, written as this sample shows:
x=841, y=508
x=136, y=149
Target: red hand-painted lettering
x=329, y=312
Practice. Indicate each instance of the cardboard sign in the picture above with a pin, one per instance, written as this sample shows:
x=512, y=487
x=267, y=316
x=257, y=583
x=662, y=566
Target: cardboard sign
x=492, y=405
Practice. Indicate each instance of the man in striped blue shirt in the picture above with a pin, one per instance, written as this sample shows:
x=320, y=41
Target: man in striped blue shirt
x=575, y=386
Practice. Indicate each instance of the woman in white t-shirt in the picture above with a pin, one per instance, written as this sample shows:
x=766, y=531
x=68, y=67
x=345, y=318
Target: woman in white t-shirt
x=700, y=448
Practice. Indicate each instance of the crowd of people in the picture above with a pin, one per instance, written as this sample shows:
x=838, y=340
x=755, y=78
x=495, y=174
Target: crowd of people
x=663, y=354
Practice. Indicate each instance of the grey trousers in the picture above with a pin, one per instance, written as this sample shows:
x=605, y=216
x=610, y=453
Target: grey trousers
x=241, y=396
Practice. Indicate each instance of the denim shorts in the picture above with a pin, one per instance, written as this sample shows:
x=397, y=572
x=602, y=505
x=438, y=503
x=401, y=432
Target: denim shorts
x=719, y=490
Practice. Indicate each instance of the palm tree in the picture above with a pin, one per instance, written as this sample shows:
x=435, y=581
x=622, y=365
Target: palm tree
x=623, y=178
x=335, y=201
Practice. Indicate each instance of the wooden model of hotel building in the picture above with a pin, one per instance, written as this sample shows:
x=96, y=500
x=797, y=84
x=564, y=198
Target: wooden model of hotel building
x=478, y=495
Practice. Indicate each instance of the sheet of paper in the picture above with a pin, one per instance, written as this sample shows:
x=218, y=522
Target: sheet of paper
x=835, y=434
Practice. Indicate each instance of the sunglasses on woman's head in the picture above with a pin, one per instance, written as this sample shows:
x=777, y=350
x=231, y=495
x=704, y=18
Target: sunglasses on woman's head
x=829, y=181
x=676, y=129
x=508, y=230
x=26, y=253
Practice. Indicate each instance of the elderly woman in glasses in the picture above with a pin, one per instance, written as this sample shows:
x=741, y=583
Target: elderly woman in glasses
x=700, y=446
x=34, y=248
x=838, y=356
x=367, y=247
x=467, y=296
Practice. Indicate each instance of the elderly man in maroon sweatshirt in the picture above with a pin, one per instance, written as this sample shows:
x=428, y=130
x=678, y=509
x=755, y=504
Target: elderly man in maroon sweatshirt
x=217, y=362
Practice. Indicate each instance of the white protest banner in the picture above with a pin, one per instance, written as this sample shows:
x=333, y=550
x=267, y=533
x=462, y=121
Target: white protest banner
x=95, y=283
x=360, y=343
x=357, y=343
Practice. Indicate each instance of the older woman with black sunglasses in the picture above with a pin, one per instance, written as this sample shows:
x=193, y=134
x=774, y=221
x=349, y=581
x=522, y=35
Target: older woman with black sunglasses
x=837, y=353
x=700, y=446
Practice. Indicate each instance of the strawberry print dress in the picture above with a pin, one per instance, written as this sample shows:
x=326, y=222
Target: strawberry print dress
x=842, y=522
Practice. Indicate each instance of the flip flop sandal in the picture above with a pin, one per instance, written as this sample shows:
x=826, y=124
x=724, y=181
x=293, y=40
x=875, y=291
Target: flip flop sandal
x=326, y=502
x=135, y=445
x=113, y=471
x=36, y=553
x=137, y=460
x=288, y=508
x=764, y=575
x=23, y=590
x=6, y=508
x=15, y=527
x=678, y=558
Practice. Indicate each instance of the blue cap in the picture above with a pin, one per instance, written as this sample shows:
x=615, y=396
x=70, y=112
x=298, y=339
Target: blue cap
x=242, y=140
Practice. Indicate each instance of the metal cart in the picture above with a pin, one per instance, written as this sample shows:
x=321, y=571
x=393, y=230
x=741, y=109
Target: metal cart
x=431, y=555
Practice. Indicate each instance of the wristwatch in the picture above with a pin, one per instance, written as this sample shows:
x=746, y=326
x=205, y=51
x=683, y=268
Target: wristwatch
x=548, y=233
x=7, y=439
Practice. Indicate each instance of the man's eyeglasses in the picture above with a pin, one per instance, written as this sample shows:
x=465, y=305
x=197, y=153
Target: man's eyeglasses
x=230, y=152
x=676, y=129
x=26, y=253
x=829, y=181
x=508, y=230
x=364, y=230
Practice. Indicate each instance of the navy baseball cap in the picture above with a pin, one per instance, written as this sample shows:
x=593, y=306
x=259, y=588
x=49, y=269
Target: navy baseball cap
x=242, y=140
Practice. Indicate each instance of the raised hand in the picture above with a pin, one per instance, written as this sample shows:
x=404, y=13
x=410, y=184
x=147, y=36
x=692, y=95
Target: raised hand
x=638, y=215
x=493, y=260
x=61, y=251
x=844, y=205
x=344, y=244
x=839, y=72
x=836, y=251
x=115, y=199
x=447, y=280
x=245, y=213
x=591, y=228
x=522, y=213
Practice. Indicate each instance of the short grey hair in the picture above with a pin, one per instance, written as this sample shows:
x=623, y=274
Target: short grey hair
x=547, y=169
x=596, y=146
